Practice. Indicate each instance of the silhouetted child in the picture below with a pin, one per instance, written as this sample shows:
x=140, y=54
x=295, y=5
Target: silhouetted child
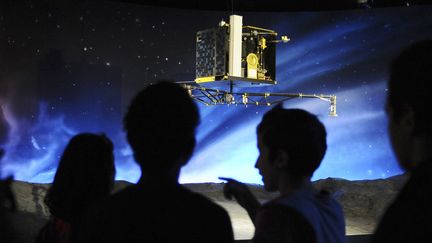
x=408, y=107
x=7, y=197
x=291, y=143
x=7, y=205
x=84, y=177
x=160, y=127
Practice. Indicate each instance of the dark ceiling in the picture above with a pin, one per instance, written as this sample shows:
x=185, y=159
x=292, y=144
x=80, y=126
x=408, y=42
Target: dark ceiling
x=278, y=5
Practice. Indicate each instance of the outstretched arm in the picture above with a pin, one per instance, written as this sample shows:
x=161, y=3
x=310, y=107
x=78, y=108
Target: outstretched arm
x=242, y=195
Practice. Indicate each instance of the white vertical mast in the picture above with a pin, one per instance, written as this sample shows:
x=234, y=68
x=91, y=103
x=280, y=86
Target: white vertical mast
x=235, y=45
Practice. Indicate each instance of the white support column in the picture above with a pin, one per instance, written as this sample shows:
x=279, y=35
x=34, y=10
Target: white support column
x=235, y=45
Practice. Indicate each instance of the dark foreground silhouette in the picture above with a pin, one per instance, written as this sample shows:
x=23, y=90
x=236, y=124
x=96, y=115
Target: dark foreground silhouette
x=291, y=143
x=408, y=219
x=84, y=177
x=161, y=133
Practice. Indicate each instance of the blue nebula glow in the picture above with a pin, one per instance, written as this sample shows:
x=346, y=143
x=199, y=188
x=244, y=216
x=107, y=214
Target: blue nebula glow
x=357, y=141
x=340, y=53
x=347, y=58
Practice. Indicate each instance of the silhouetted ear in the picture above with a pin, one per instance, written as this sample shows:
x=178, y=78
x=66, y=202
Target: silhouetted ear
x=188, y=151
x=406, y=118
x=282, y=159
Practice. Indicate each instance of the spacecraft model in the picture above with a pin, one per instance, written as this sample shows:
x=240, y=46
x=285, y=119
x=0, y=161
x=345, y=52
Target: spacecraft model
x=232, y=58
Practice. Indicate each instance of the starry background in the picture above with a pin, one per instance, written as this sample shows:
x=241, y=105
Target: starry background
x=67, y=68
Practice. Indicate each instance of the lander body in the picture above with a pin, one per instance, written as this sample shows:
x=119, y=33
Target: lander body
x=232, y=59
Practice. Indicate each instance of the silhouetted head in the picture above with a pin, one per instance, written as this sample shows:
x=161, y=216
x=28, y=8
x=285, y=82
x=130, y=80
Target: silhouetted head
x=408, y=100
x=84, y=175
x=291, y=141
x=160, y=127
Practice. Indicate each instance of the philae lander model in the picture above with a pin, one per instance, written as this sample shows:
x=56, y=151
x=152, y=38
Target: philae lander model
x=231, y=59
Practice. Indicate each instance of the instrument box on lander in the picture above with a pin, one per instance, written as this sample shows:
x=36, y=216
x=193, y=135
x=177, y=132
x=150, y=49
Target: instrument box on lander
x=235, y=52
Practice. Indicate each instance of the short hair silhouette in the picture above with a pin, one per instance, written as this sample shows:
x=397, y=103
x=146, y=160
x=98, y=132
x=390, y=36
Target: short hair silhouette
x=297, y=132
x=410, y=78
x=159, y=130
x=84, y=175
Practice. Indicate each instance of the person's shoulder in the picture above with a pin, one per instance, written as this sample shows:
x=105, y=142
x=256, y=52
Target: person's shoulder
x=313, y=205
x=308, y=199
x=406, y=219
x=144, y=197
x=201, y=210
x=201, y=202
x=125, y=194
x=415, y=197
x=422, y=175
x=275, y=209
x=416, y=193
x=275, y=221
x=119, y=201
x=104, y=213
x=327, y=198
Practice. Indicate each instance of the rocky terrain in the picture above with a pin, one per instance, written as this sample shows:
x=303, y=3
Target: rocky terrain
x=363, y=203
